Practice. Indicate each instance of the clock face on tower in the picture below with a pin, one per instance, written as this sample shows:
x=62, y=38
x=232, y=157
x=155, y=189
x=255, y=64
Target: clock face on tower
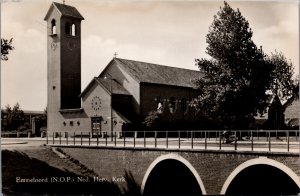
x=53, y=45
x=96, y=103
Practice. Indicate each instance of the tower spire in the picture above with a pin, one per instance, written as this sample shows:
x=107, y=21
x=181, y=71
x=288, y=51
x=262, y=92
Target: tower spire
x=64, y=2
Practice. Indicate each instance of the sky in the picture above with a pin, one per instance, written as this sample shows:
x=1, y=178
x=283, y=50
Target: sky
x=163, y=32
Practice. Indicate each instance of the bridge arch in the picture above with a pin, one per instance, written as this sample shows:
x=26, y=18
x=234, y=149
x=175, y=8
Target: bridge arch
x=261, y=161
x=175, y=158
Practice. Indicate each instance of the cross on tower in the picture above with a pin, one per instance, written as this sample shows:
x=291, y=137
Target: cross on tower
x=64, y=1
x=115, y=55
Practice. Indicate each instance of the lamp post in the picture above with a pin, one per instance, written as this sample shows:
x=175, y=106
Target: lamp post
x=111, y=110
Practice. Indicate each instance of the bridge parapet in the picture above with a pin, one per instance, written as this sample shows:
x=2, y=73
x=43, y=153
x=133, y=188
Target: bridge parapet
x=250, y=140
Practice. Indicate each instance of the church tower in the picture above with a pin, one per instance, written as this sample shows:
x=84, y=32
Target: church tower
x=63, y=60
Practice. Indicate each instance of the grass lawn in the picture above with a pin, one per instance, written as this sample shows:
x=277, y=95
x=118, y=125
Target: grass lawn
x=42, y=163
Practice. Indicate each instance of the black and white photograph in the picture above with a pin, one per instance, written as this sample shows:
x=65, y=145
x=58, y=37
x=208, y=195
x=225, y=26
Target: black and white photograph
x=150, y=97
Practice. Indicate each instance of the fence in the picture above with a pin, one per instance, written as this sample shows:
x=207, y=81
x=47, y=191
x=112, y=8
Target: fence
x=268, y=140
x=15, y=134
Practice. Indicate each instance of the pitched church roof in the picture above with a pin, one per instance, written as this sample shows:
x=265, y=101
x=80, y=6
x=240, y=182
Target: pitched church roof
x=271, y=100
x=159, y=74
x=116, y=87
x=65, y=10
x=148, y=73
x=292, y=108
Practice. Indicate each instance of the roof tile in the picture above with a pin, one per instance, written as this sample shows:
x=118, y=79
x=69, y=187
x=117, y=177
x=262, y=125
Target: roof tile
x=68, y=10
x=292, y=109
x=116, y=87
x=159, y=74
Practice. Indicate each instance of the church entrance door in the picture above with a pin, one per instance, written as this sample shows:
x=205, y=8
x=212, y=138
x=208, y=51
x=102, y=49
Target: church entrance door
x=96, y=125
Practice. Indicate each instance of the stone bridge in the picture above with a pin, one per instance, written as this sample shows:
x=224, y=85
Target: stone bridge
x=198, y=172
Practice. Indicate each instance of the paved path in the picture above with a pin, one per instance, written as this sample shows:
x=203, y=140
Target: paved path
x=21, y=143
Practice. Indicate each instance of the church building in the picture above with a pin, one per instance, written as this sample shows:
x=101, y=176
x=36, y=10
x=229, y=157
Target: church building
x=119, y=98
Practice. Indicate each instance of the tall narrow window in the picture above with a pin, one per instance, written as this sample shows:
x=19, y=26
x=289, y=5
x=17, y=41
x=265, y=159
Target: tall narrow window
x=159, y=104
x=68, y=29
x=73, y=30
x=172, y=102
x=183, y=104
x=53, y=27
x=172, y=105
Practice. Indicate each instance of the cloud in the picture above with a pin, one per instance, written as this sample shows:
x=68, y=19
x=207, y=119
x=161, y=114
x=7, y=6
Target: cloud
x=281, y=37
x=284, y=29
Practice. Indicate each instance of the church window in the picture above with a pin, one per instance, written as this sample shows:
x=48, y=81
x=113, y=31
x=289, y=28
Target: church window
x=183, y=104
x=71, y=123
x=158, y=99
x=172, y=102
x=172, y=105
x=73, y=30
x=159, y=104
x=53, y=27
x=68, y=29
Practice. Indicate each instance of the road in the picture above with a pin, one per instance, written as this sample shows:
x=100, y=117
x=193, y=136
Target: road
x=21, y=143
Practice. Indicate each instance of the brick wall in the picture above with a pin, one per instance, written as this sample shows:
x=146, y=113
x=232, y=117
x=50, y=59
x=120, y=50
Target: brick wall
x=212, y=167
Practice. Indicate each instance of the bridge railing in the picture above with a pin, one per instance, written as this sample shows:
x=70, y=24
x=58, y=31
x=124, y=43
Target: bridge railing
x=244, y=140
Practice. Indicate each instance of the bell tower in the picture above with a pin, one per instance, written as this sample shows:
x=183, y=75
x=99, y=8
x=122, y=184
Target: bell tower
x=63, y=59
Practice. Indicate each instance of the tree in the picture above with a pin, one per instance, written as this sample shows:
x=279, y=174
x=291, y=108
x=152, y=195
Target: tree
x=296, y=87
x=41, y=122
x=6, y=46
x=14, y=117
x=282, y=83
x=237, y=76
x=152, y=120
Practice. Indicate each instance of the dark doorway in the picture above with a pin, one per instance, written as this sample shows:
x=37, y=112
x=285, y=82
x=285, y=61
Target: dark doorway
x=96, y=125
x=262, y=180
x=171, y=177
